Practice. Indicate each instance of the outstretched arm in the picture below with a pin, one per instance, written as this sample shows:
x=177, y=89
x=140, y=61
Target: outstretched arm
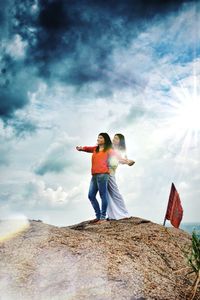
x=79, y=148
x=121, y=160
x=126, y=161
x=86, y=149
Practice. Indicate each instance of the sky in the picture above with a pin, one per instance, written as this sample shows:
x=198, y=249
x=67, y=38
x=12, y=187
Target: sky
x=73, y=69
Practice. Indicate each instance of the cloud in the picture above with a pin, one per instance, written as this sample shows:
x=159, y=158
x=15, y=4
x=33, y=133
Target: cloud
x=16, y=82
x=13, y=96
x=58, y=157
x=81, y=34
x=35, y=196
x=73, y=44
x=16, y=47
x=4, y=154
x=22, y=127
x=39, y=194
x=17, y=77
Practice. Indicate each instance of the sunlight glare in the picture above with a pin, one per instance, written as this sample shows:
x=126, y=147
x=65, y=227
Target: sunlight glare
x=188, y=115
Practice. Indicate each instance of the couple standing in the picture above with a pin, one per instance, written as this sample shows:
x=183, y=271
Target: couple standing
x=105, y=159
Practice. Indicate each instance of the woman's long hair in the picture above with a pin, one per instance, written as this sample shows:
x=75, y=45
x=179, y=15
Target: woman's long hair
x=122, y=143
x=108, y=143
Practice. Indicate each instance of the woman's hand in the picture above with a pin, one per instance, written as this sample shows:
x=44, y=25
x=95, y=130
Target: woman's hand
x=79, y=148
x=126, y=161
x=130, y=162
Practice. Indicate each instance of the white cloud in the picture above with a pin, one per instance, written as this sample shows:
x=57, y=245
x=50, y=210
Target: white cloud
x=16, y=47
x=39, y=194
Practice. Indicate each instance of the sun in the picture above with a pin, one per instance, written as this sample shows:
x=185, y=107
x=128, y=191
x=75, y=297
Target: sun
x=183, y=123
x=179, y=120
x=187, y=115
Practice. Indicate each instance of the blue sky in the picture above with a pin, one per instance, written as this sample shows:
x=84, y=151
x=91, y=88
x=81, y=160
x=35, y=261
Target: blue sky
x=70, y=70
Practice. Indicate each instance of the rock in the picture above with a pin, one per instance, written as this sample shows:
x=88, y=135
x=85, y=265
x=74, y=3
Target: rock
x=125, y=259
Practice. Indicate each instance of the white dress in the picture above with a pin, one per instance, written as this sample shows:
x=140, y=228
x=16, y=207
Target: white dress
x=116, y=206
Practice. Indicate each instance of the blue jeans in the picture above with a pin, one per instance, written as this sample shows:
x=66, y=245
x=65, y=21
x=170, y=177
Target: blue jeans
x=99, y=182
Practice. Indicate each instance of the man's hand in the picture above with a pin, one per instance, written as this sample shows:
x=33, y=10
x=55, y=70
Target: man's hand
x=79, y=148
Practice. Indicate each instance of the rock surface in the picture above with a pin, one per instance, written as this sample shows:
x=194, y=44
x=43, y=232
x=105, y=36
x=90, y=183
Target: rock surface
x=125, y=259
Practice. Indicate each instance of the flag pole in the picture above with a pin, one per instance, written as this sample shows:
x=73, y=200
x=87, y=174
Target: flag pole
x=174, y=211
x=167, y=208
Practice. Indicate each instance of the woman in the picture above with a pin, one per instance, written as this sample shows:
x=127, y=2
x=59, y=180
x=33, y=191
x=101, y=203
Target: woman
x=100, y=175
x=116, y=207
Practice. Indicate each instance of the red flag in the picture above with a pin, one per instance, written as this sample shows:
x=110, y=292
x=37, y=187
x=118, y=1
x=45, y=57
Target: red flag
x=174, y=209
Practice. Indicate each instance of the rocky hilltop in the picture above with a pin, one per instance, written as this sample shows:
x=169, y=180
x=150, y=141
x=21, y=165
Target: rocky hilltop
x=125, y=259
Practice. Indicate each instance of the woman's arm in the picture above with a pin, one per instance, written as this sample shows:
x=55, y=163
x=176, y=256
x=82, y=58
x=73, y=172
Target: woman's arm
x=86, y=148
x=116, y=155
x=121, y=160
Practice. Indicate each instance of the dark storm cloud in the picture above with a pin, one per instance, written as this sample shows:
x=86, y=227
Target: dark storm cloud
x=16, y=77
x=68, y=41
x=2, y=14
x=16, y=81
x=85, y=33
x=4, y=17
x=13, y=94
